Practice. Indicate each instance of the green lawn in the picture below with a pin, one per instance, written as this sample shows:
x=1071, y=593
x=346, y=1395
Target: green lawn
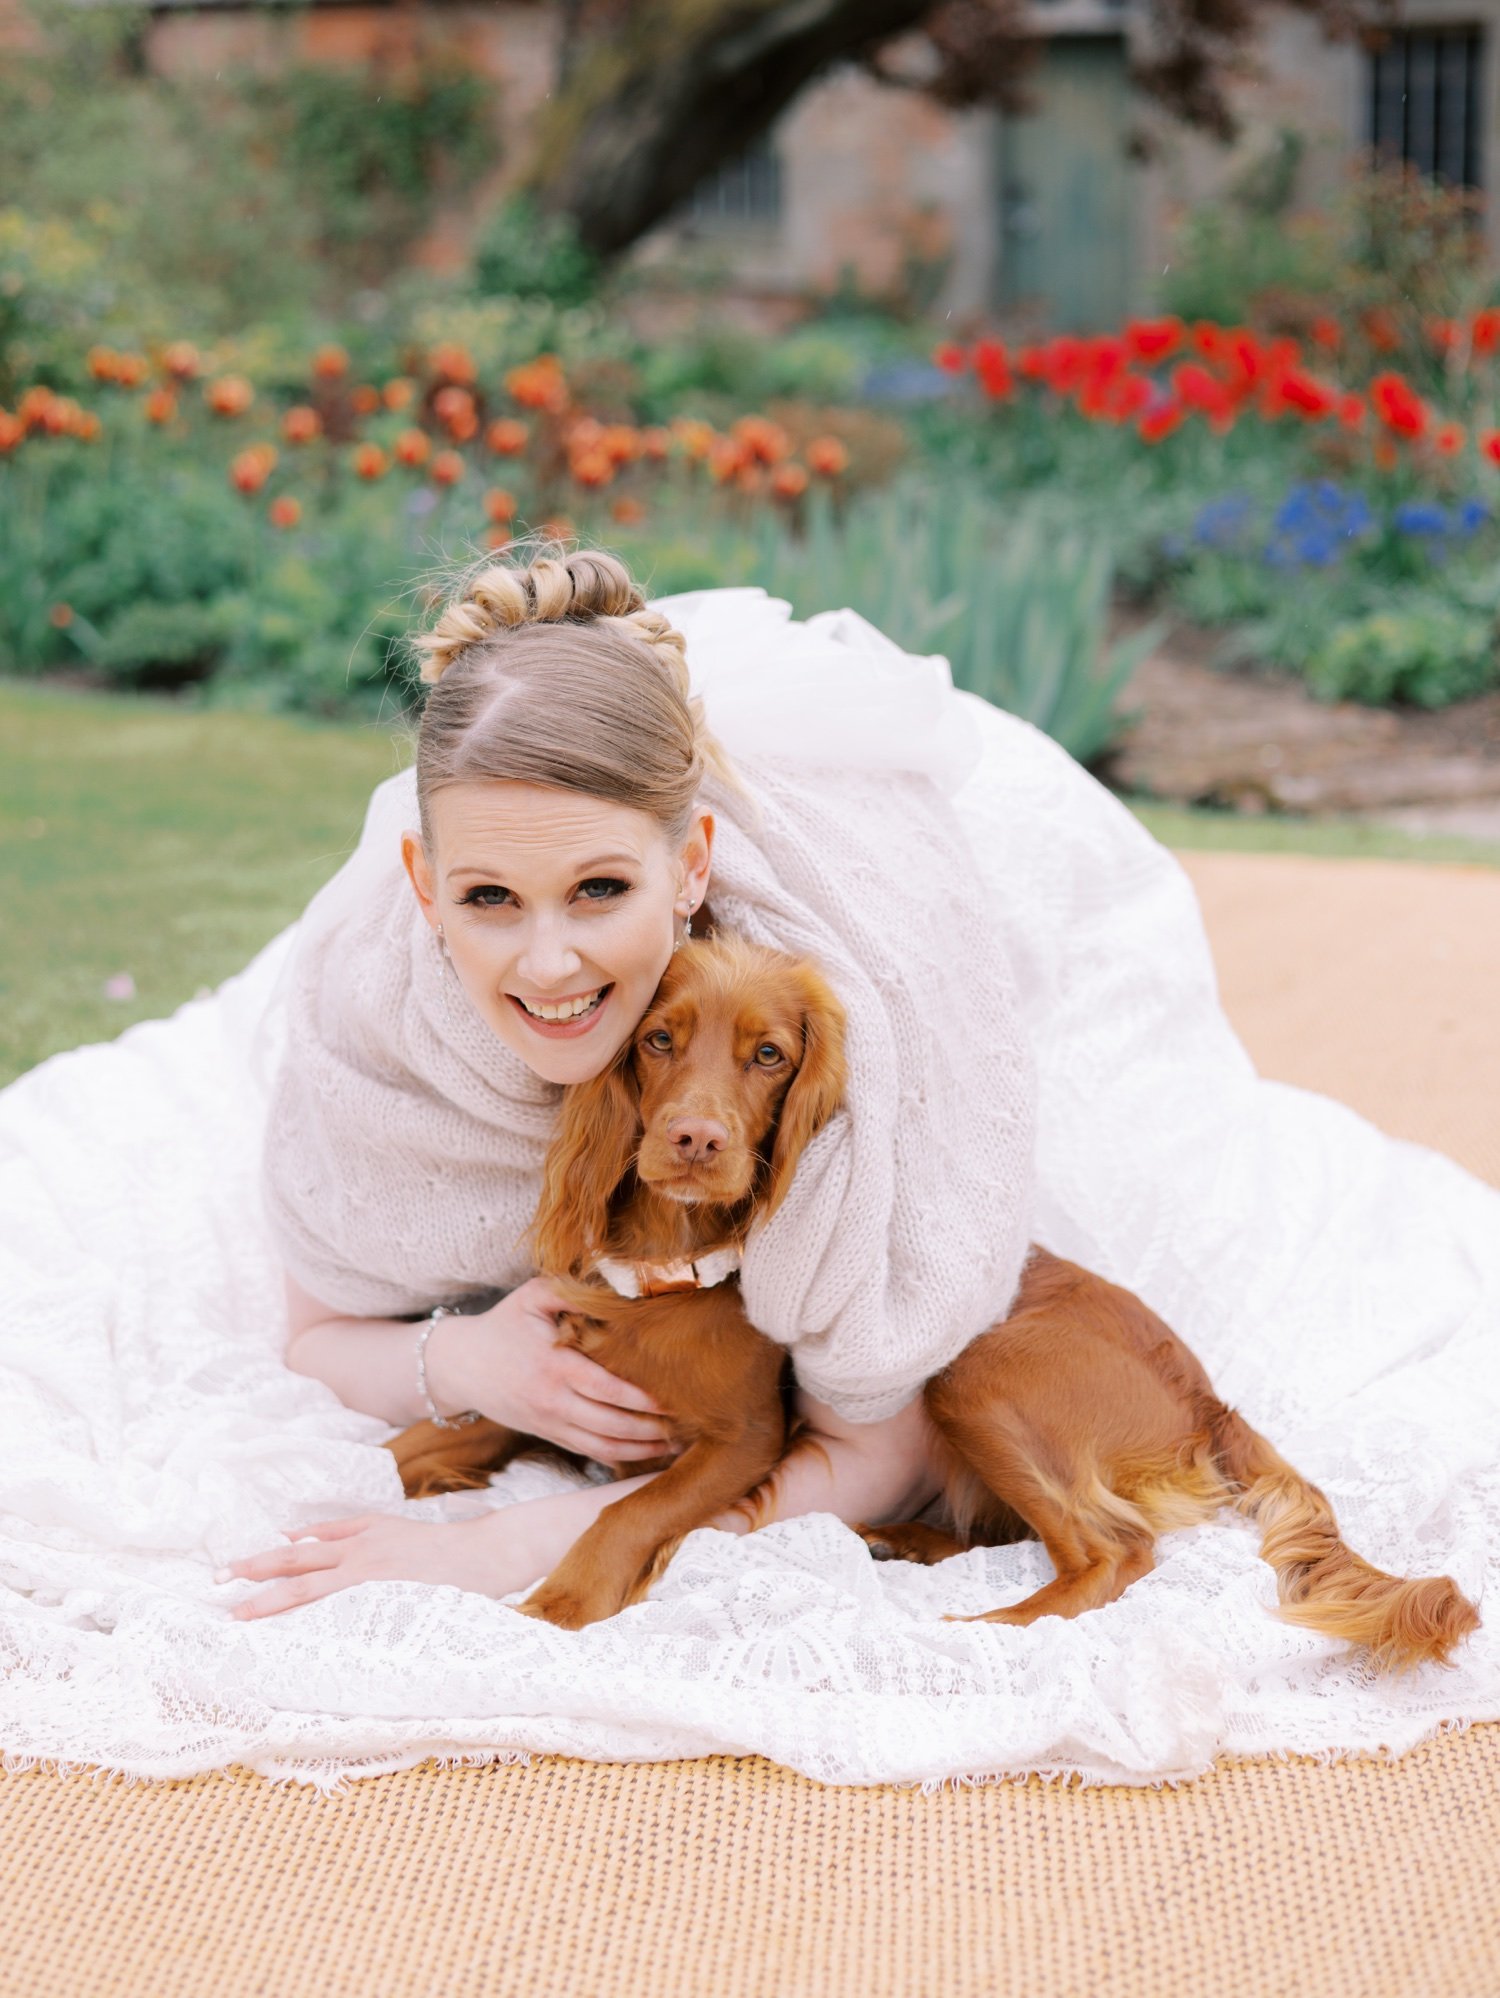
x=145, y=838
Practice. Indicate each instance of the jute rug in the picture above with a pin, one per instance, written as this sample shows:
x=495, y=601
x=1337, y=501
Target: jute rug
x=1369, y=1879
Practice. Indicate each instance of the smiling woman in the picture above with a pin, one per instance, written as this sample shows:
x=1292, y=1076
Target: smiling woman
x=570, y=806
x=559, y=956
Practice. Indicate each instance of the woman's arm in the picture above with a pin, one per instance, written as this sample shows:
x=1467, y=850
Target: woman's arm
x=505, y=1362
x=875, y=1472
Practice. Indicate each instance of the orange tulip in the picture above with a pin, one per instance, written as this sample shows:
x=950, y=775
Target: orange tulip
x=499, y=504
x=181, y=359
x=397, y=393
x=330, y=363
x=506, y=438
x=100, y=362
x=620, y=443
x=558, y=528
x=301, y=424
x=789, y=482
x=413, y=447
x=131, y=370
x=760, y=439
x=229, y=395
x=83, y=424
x=726, y=456
x=497, y=538
x=248, y=471
x=627, y=511
x=656, y=443
x=12, y=430
x=160, y=405
x=60, y=616
x=284, y=511
x=364, y=400
x=591, y=468
x=447, y=468
x=539, y=384
x=370, y=462
x=695, y=436
x=452, y=363
x=827, y=456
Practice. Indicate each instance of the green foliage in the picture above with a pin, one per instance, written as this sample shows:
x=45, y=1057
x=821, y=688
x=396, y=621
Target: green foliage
x=1425, y=653
x=223, y=199
x=523, y=253
x=1018, y=610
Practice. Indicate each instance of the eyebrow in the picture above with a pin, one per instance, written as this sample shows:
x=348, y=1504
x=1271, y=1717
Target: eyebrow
x=582, y=869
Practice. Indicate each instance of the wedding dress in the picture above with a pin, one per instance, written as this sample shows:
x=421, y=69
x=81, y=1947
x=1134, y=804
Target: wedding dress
x=1343, y=1289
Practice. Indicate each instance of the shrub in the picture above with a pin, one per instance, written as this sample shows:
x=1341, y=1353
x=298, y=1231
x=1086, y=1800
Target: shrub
x=1428, y=654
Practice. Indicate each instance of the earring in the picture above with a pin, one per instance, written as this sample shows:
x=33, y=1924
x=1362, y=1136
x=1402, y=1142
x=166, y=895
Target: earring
x=685, y=934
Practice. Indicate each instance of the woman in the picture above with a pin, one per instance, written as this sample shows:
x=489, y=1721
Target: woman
x=975, y=895
x=575, y=817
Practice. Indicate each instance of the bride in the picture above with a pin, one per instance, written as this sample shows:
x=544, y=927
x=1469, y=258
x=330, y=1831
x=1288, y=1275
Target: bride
x=240, y=1246
x=573, y=813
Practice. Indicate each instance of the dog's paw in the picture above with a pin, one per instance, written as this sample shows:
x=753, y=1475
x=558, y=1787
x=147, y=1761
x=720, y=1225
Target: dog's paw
x=564, y=1608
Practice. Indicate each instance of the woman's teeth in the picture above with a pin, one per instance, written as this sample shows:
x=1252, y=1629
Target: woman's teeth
x=567, y=1009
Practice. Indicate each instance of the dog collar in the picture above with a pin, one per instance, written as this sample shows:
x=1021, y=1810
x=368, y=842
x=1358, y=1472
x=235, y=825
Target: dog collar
x=660, y=1279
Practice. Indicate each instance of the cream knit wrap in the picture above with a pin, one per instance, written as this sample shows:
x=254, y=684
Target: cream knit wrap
x=405, y=1140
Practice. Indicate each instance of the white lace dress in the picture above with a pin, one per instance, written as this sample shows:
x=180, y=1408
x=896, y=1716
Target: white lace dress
x=1342, y=1288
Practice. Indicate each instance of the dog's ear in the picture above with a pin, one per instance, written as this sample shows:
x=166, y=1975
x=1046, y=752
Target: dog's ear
x=597, y=1138
x=816, y=1089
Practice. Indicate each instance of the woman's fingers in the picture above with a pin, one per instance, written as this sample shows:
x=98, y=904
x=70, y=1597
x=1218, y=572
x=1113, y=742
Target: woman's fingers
x=297, y=1559
x=596, y=1383
x=288, y=1594
x=335, y=1529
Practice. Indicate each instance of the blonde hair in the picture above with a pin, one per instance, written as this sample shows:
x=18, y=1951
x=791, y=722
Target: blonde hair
x=555, y=672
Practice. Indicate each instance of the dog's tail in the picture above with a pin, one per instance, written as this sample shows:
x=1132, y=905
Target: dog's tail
x=1323, y=1584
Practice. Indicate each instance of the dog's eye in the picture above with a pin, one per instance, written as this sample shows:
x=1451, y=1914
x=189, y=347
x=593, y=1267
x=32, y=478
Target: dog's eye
x=768, y=1054
x=659, y=1041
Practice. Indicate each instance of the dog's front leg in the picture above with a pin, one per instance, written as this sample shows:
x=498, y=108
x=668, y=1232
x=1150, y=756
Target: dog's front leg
x=612, y=1564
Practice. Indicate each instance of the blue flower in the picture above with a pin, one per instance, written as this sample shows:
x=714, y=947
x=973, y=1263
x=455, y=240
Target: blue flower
x=1420, y=517
x=1472, y=515
x=1319, y=548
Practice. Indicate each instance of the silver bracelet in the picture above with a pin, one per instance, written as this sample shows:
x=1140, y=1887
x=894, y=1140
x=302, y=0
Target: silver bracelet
x=442, y=1421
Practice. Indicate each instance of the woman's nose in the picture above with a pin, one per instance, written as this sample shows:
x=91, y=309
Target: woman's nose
x=548, y=957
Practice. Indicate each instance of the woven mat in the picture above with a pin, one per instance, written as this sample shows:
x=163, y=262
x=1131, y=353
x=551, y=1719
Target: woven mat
x=1365, y=1879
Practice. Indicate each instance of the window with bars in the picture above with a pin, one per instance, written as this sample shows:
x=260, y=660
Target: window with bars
x=744, y=190
x=1425, y=101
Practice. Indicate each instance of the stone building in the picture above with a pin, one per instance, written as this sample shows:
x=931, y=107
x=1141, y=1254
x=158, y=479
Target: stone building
x=1063, y=216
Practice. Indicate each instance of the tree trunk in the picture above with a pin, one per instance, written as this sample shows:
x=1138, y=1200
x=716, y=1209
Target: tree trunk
x=656, y=106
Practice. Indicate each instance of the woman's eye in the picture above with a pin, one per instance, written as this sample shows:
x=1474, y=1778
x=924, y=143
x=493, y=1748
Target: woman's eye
x=602, y=888
x=473, y=898
x=768, y=1054
x=659, y=1041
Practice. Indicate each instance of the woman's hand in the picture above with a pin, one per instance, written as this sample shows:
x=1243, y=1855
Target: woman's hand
x=506, y=1363
x=380, y=1547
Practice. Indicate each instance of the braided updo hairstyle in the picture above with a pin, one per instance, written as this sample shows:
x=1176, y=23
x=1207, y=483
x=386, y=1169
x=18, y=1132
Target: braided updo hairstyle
x=556, y=673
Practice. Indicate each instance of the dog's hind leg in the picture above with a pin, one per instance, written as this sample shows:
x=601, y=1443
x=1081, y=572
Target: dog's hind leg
x=911, y=1541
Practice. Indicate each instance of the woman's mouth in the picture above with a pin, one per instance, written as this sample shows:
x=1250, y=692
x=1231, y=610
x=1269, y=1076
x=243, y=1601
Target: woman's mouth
x=562, y=1019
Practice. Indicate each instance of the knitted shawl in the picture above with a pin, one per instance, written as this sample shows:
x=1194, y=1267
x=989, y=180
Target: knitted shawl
x=404, y=1140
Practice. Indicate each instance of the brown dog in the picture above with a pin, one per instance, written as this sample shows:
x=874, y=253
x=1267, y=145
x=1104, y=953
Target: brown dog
x=1081, y=1419
x=658, y=1170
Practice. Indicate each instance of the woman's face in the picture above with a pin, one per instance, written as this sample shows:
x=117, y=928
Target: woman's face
x=559, y=912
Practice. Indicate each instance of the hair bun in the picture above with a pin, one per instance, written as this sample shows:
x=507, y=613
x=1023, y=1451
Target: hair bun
x=497, y=596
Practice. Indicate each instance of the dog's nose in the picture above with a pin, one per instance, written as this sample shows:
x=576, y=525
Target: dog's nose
x=694, y=1138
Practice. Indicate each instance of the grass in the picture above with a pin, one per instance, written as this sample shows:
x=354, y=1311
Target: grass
x=147, y=838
